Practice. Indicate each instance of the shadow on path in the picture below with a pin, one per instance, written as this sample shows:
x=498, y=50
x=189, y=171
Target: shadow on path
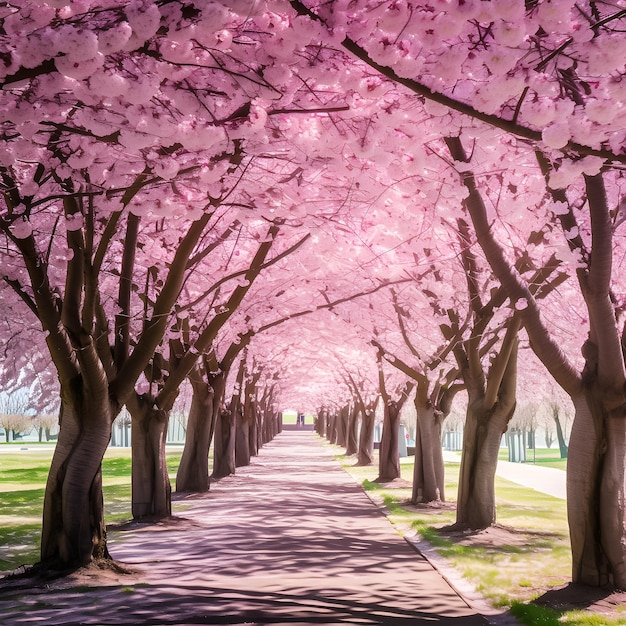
x=289, y=540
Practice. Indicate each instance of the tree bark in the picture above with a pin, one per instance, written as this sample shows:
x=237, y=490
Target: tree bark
x=486, y=421
x=596, y=455
x=331, y=432
x=389, y=455
x=595, y=490
x=74, y=532
x=193, y=470
x=242, y=438
x=256, y=423
x=151, y=487
x=277, y=425
x=245, y=429
x=352, y=429
x=320, y=426
x=428, y=470
x=560, y=436
x=342, y=425
x=224, y=445
x=365, y=454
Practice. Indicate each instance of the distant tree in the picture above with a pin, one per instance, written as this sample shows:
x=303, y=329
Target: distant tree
x=14, y=425
x=44, y=423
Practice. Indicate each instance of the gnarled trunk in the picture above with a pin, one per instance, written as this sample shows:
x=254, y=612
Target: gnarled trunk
x=74, y=532
x=272, y=425
x=256, y=423
x=596, y=491
x=275, y=425
x=151, y=487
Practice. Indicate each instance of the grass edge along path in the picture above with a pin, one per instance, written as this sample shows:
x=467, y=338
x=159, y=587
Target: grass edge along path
x=526, y=555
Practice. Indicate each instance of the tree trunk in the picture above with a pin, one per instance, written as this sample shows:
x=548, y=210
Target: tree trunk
x=193, y=471
x=73, y=532
x=491, y=404
x=272, y=424
x=366, y=438
x=151, y=487
x=560, y=436
x=595, y=491
x=596, y=455
x=428, y=470
x=264, y=417
x=331, y=432
x=242, y=438
x=321, y=423
x=352, y=430
x=476, y=505
x=342, y=425
x=224, y=445
x=389, y=455
x=256, y=422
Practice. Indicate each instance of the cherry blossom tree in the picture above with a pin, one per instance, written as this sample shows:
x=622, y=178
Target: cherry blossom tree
x=595, y=488
x=548, y=73
x=132, y=129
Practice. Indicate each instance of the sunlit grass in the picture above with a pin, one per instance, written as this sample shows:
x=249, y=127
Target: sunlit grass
x=532, y=615
x=536, y=558
x=544, y=457
x=23, y=475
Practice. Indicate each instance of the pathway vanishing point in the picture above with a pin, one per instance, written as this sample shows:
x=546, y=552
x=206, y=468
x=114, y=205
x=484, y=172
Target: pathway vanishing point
x=290, y=539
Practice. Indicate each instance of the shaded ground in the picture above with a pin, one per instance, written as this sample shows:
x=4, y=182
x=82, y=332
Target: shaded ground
x=289, y=539
x=571, y=597
x=576, y=597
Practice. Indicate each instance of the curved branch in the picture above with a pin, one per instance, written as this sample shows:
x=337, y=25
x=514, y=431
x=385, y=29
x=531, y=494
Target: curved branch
x=544, y=346
x=456, y=105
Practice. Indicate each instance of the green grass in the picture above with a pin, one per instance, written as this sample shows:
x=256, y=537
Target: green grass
x=545, y=457
x=532, y=615
x=23, y=475
x=534, y=557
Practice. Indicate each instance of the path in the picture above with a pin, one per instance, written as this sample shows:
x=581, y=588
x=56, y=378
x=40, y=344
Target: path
x=548, y=480
x=289, y=539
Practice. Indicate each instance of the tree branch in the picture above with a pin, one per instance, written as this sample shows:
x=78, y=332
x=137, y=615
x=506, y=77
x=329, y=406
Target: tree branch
x=461, y=107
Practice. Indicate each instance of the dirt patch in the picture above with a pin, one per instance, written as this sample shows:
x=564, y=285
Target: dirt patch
x=571, y=597
x=575, y=597
x=157, y=523
x=493, y=537
x=103, y=573
x=429, y=507
x=396, y=483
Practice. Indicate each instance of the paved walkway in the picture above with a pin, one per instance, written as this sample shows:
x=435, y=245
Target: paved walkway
x=547, y=480
x=289, y=539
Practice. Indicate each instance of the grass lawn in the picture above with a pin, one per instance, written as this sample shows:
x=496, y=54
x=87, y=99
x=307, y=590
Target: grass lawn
x=523, y=557
x=23, y=475
x=545, y=457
